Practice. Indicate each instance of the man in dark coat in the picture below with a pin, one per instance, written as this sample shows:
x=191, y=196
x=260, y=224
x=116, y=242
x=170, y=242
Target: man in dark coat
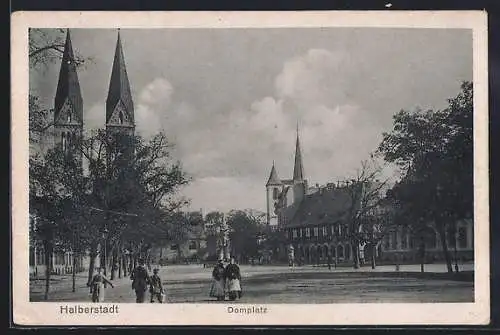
x=140, y=281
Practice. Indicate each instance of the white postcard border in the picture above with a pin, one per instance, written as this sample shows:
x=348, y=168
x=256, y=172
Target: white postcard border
x=49, y=313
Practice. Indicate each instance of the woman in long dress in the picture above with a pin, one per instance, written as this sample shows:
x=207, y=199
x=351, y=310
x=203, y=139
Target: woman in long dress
x=233, y=276
x=97, y=286
x=217, y=288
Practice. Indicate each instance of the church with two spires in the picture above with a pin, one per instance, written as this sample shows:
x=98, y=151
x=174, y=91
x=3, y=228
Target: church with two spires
x=68, y=127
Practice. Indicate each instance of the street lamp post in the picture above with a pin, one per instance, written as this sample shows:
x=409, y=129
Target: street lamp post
x=104, y=258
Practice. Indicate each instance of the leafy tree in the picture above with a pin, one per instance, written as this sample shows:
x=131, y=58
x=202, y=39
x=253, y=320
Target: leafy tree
x=435, y=152
x=52, y=182
x=121, y=199
x=245, y=227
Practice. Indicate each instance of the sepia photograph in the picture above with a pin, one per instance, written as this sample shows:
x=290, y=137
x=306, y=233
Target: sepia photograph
x=252, y=166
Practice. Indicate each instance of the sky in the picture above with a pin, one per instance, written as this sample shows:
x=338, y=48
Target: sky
x=230, y=99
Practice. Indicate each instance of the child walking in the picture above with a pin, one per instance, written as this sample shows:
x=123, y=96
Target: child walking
x=156, y=288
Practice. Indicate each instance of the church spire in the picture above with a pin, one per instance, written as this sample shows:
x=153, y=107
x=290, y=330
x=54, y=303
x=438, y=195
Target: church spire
x=298, y=168
x=68, y=87
x=119, y=94
x=273, y=177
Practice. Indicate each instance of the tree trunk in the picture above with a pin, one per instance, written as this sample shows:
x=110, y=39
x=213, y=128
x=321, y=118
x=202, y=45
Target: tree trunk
x=73, y=289
x=48, y=265
x=446, y=253
x=422, y=254
x=119, y=260
x=114, y=262
x=373, y=250
x=355, y=255
x=93, y=256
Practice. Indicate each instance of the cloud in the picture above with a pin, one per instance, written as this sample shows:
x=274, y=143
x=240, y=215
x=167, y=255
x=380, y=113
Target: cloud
x=153, y=104
x=310, y=77
x=95, y=117
x=225, y=193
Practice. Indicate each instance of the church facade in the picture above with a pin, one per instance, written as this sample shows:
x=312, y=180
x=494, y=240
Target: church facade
x=68, y=127
x=315, y=224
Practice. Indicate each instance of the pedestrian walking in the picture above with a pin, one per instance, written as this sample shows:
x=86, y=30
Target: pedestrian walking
x=156, y=288
x=232, y=276
x=97, y=286
x=140, y=281
x=218, y=282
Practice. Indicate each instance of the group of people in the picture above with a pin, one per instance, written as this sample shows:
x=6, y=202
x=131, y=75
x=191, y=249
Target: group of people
x=141, y=281
x=226, y=280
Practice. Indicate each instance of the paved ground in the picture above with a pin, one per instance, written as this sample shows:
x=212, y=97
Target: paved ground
x=280, y=284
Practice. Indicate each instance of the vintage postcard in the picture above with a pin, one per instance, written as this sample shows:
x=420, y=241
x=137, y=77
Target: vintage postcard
x=250, y=168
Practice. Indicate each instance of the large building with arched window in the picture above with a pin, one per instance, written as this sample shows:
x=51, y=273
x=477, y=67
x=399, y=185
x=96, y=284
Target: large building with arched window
x=316, y=223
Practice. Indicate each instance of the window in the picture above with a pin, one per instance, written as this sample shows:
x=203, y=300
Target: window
x=340, y=251
x=404, y=241
x=308, y=232
x=432, y=241
x=120, y=116
x=394, y=240
x=387, y=243
x=462, y=237
x=316, y=231
x=63, y=141
x=193, y=245
x=339, y=227
x=69, y=117
x=275, y=193
x=294, y=233
x=173, y=247
x=325, y=231
x=450, y=238
x=333, y=229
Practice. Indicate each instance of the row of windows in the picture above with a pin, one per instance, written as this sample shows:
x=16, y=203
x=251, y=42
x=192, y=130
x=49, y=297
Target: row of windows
x=333, y=230
x=57, y=258
x=193, y=245
x=431, y=242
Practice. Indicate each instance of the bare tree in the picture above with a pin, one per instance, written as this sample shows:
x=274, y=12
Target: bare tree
x=366, y=192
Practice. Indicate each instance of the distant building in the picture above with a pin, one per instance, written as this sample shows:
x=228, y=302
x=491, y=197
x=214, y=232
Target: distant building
x=315, y=222
x=201, y=245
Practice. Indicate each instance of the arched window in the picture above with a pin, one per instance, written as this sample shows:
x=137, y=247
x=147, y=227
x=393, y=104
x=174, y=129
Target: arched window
x=348, y=251
x=63, y=141
x=340, y=251
x=193, y=245
x=275, y=193
x=462, y=237
x=69, y=117
x=120, y=116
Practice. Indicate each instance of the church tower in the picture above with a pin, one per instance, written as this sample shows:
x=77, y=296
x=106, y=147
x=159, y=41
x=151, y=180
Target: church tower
x=273, y=189
x=299, y=183
x=119, y=104
x=68, y=104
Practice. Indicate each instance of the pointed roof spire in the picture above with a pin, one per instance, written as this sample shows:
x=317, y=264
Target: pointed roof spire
x=298, y=168
x=68, y=86
x=119, y=86
x=273, y=177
